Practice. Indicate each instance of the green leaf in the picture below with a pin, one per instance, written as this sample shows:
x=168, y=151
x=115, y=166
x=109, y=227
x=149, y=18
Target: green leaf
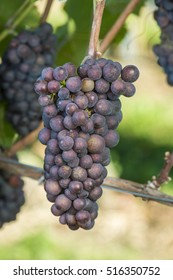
x=11, y=10
x=80, y=13
x=7, y=133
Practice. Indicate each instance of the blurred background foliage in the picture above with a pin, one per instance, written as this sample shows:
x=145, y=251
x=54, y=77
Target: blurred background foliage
x=127, y=227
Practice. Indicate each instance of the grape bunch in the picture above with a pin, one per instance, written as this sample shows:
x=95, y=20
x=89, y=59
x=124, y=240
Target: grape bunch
x=27, y=54
x=164, y=51
x=11, y=196
x=80, y=113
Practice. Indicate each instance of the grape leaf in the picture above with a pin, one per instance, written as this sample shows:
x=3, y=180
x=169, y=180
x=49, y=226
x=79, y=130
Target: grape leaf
x=74, y=48
x=7, y=133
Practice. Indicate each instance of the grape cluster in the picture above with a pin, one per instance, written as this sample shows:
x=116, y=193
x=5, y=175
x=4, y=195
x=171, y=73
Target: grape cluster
x=11, y=196
x=164, y=51
x=80, y=114
x=27, y=54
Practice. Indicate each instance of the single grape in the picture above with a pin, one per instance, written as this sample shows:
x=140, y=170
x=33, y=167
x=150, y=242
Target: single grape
x=79, y=174
x=94, y=72
x=130, y=73
x=95, y=144
x=44, y=135
x=111, y=138
x=71, y=69
x=74, y=84
x=66, y=143
x=101, y=86
x=64, y=171
x=111, y=72
x=95, y=171
x=47, y=74
x=52, y=187
x=79, y=145
x=75, y=187
x=63, y=203
x=60, y=73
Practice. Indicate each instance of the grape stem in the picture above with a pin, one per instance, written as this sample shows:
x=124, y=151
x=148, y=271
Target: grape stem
x=46, y=11
x=25, y=141
x=117, y=25
x=148, y=192
x=16, y=19
x=95, y=29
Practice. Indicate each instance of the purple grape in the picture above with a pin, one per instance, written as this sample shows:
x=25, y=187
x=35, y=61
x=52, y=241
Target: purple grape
x=64, y=171
x=52, y=146
x=53, y=172
x=74, y=84
x=79, y=118
x=98, y=120
x=130, y=73
x=86, y=161
x=101, y=86
x=68, y=123
x=103, y=107
x=52, y=187
x=66, y=143
x=70, y=219
x=55, y=211
x=111, y=138
x=79, y=174
x=79, y=203
x=129, y=89
x=111, y=72
x=83, y=216
x=82, y=70
x=64, y=93
x=63, y=203
x=53, y=86
x=89, y=184
x=56, y=123
x=75, y=187
x=118, y=87
x=96, y=193
x=92, y=98
x=59, y=160
x=64, y=183
x=71, y=69
x=45, y=100
x=69, y=194
x=95, y=171
x=96, y=144
x=69, y=155
x=74, y=162
x=47, y=74
x=81, y=101
x=50, y=110
x=79, y=145
x=60, y=73
x=94, y=72
x=71, y=108
x=40, y=87
x=44, y=135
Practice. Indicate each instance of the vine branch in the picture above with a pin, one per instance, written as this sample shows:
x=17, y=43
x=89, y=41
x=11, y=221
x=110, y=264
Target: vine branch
x=148, y=192
x=15, y=20
x=164, y=174
x=22, y=143
x=46, y=11
x=95, y=29
x=117, y=25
